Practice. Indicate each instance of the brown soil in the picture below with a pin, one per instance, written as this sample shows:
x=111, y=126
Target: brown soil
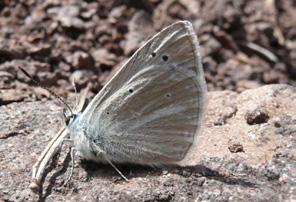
x=244, y=44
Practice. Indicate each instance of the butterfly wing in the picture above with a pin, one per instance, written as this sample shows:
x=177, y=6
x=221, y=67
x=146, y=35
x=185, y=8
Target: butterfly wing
x=150, y=111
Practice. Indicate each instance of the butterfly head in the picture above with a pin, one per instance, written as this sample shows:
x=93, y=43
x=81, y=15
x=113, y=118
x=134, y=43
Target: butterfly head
x=69, y=116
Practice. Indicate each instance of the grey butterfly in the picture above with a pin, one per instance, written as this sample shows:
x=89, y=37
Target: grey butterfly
x=150, y=111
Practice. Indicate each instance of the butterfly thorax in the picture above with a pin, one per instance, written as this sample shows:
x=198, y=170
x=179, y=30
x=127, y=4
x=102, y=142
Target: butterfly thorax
x=81, y=142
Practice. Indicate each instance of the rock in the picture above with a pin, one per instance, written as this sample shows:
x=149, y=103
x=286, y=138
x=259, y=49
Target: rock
x=256, y=116
x=82, y=60
x=7, y=55
x=10, y=96
x=236, y=147
x=291, y=67
x=263, y=172
x=68, y=16
x=140, y=27
x=103, y=57
x=81, y=78
x=43, y=50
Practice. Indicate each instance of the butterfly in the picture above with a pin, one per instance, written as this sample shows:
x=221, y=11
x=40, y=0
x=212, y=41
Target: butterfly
x=150, y=111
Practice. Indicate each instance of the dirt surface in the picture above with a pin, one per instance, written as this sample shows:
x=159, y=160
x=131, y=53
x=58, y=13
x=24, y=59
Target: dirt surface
x=244, y=45
x=261, y=168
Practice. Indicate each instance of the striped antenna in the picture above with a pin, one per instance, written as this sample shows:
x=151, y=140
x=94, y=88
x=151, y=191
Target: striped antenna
x=44, y=87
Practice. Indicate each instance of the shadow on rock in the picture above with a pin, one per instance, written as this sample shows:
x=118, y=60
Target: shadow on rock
x=43, y=194
x=133, y=171
x=215, y=175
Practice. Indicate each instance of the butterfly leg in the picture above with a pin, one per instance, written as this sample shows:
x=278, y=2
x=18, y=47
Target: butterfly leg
x=99, y=152
x=115, y=168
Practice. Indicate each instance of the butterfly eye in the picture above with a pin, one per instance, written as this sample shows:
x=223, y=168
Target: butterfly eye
x=153, y=54
x=64, y=113
x=131, y=90
x=168, y=95
x=67, y=117
x=165, y=58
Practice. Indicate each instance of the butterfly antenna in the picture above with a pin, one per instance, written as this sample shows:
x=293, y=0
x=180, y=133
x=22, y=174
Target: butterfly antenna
x=44, y=87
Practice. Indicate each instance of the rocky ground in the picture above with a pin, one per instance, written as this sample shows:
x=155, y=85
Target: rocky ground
x=246, y=152
x=247, y=148
x=244, y=44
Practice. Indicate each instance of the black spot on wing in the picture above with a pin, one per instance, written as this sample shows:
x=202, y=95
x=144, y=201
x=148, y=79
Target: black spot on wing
x=165, y=58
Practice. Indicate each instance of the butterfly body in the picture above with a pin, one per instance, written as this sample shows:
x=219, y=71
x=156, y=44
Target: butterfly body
x=150, y=111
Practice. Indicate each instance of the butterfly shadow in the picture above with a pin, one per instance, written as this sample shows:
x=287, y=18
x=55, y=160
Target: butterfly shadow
x=134, y=171
x=203, y=171
x=130, y=171
x=43, y=192
x=99, y=170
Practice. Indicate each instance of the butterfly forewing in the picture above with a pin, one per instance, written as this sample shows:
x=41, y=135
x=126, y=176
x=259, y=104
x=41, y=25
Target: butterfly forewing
x=150, y=111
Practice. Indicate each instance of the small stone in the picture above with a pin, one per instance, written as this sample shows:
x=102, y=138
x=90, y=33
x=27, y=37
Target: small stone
x=103, y=57
x=82, y=60
x=81, y=78
x=201, y=181
x=44, y=50
x=165, y=172
x=257, y=116
x=11, y=95
x=277, y=123
x=236, y=147
x=68, y=16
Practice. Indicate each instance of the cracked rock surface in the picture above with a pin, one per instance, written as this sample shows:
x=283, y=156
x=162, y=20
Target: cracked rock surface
x=246, y=152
